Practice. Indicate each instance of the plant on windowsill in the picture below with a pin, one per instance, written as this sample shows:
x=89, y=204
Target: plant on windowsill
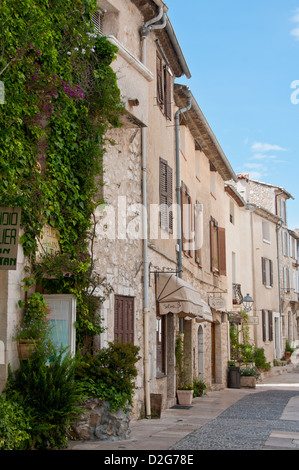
x=184, y=386
x=33, y=331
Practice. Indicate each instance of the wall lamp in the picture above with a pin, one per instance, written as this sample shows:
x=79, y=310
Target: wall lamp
x=248, y=303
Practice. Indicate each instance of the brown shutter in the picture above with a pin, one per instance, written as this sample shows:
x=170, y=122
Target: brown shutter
x=159, y=80
x=264, y=325
x=264, y=271
x=124, y=319
x=270, y=318
x=222, y=251
x=167, y=101
x=212, y=246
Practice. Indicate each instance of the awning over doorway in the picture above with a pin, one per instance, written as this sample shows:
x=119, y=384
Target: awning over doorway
x=177, y=296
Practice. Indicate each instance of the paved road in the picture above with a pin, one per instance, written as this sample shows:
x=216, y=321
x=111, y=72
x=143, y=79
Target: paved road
x=248, y=425
x=263, y=418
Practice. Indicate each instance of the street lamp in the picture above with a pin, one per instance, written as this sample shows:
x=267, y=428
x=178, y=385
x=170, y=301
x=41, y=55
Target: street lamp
x=248, y=303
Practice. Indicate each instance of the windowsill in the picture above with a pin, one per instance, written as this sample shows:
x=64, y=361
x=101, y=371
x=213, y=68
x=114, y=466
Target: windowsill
x=269, y=287
x=161, y=375
x=266, y=241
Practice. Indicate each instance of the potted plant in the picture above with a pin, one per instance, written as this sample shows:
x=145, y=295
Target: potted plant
x=34, y=328
x=288, y=351
x=199, y=387
x=249, y=376
x=184, y=386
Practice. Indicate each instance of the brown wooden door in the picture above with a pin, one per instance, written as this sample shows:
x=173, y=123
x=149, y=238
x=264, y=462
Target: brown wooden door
x=124, y=319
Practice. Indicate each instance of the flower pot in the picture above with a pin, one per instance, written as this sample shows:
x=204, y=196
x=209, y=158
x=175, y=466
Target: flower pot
x=248, y=381
x=25, y=348
x=184, y=397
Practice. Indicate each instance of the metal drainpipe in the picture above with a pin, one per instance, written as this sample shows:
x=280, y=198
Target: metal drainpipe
x=145, y=31
x=178, y=186
x=278, y=228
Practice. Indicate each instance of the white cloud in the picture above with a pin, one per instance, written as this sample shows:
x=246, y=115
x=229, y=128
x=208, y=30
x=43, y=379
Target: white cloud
x=295, y=33
x=262, y=156
x=263, y=147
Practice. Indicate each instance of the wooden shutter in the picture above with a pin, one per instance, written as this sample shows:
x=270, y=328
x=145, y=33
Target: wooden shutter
x=222, y=251
x=165, y=177
x=124, y=319
x=214, y=246
x=264, y=325
x=264, y=271
x=270, y=321
x=167, y=94
x=160, y=97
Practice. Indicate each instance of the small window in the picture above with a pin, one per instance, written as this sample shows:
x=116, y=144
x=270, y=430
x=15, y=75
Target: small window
x=266, y=231
x=164, y=80
x=97, y=19
x=232, y=212
x=267, y=325
x=267, y=272
x=62, y=317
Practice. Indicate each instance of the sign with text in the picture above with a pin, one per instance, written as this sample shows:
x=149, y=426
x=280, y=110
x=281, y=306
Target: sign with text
x=10, y=218
x=48, y=242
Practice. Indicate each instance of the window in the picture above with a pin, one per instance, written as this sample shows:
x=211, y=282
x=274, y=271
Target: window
x=283, y=210
x=124, y=319
x=164, y=77
x=286, y=279
x=165, y=184
x=97, y=20
x=285, y=242
x=217, y=248
x=267, y=272
x=62, y=316
x=267, y=325
x=266, y=231
x=160, y=345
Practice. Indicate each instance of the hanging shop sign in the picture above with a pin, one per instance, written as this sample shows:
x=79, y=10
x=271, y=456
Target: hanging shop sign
x=48, y=242
x=218, y=303
x=10, y=218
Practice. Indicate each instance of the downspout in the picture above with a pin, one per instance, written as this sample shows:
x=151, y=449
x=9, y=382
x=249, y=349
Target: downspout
x=278, y=228
x=145, y=31
x=178, y=187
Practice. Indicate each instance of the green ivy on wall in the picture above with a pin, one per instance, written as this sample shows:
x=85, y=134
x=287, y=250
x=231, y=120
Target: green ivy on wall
x=61, y=96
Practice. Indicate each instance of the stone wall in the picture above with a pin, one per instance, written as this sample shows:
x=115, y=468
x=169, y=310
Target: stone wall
x=97, y=422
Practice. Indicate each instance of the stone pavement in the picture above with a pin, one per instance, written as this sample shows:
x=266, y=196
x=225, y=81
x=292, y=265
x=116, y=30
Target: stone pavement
x=175, y=425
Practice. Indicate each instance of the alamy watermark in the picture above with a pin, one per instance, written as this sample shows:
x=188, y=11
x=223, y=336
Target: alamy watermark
x=127, y=222
x=295, y=94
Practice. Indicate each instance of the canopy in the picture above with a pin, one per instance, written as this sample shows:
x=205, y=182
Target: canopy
x=177, y=296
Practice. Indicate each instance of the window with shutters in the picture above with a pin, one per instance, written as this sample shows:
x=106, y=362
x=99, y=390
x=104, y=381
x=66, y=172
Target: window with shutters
x=217, y=248
x=164, y=80
x=124, y=319
x=286, y=279
x=267, y=272
x=97, y=19
x=187, y=222
x=165, y=188
x=267, y=325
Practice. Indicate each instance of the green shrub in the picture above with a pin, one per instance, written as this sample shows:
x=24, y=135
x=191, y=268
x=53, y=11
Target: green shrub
x=49, y=394
x=198, y=388
x=110, y=374
x=14, y=426
x=259, y=359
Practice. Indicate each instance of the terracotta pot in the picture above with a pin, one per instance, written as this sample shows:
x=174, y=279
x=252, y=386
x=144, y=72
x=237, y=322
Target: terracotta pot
x=184, y=397
x=25, y=348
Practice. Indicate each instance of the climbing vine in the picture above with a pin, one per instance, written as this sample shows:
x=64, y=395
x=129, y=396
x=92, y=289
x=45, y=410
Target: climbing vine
x=61, y=96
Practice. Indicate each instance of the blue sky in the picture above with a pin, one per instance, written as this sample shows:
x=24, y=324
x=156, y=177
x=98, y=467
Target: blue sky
x=244, y=58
